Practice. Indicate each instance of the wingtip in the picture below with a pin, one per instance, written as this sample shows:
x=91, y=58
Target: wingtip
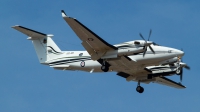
x=15, y=26
x=63, y=13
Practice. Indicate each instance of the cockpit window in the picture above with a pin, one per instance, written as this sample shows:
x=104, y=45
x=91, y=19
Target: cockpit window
x=155, y=44
x=45, y=41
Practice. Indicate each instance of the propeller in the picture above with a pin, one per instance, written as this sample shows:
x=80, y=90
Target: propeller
x=182, y=65
x=181, y=74
x=147, y=44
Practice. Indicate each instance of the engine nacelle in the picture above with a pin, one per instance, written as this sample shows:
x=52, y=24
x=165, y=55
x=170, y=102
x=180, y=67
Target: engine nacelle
x=122, y=52
x=169, y=61
x=129, y=51
x=159, y=71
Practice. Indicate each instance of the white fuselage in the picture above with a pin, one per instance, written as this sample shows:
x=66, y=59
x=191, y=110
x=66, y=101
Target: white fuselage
x=81, y=60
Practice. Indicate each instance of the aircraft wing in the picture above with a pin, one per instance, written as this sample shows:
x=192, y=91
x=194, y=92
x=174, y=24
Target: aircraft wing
x=159, y=80
x=124, y=64
x=168, y=82
x=90, y=41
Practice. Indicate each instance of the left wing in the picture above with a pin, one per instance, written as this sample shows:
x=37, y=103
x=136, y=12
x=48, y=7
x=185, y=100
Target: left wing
x=94, y=44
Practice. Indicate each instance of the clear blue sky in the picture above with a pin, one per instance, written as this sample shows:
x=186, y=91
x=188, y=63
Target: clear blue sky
x=27, y=86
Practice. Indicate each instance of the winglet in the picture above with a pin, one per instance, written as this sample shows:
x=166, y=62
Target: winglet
x=63, y=13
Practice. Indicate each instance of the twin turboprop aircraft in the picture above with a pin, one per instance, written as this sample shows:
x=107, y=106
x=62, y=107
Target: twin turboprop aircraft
x=140, y=60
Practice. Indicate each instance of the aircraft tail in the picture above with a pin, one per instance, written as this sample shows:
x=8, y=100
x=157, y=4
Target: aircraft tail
x=45, y=47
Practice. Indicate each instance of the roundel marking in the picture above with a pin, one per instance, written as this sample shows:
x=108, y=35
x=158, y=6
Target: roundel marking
x=82, y=63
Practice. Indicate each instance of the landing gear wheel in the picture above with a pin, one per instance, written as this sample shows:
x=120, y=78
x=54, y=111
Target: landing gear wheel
x=178, y=71
x=104, y=68
x=140, y=89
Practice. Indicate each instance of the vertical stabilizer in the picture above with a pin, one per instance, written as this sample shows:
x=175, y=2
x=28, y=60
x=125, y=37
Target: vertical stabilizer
x=45, y=47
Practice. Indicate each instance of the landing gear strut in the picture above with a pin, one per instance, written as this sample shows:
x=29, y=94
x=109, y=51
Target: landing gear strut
x=139, y=88
x=104, y=66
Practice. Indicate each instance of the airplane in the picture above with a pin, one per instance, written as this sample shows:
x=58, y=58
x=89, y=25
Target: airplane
x=142, y=61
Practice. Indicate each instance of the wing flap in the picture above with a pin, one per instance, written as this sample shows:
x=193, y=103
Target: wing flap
x=94, y=55
x=123, y=64
x=168, y=82
x=88, y=48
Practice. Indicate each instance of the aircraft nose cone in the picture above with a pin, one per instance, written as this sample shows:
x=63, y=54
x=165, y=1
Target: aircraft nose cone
x=179, y=53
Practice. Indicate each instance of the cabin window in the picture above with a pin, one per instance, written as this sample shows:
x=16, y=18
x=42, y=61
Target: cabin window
x=81, y=54
x=45, y=41
x=50, y=51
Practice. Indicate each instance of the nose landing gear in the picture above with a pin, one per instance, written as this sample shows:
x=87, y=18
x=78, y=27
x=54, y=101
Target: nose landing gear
x=139, y=88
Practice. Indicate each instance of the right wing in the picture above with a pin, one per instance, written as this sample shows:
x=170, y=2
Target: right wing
x=168, y=82
x=159, y=80
x=94, y=44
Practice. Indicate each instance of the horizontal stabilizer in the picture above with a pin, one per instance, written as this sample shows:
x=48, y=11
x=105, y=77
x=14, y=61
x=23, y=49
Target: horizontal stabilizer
x=30, y=33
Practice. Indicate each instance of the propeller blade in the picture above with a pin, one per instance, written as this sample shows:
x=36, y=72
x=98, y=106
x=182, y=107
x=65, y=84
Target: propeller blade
x=147, y=44
x=149, y=34
x=152, y=49
x=142, y=36
x=187, y=67
x=145, y=51
x=181, y=77
x=181, y=74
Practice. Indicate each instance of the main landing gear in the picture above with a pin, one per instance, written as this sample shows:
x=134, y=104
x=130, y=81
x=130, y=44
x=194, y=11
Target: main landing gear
x=104, y=66
x=139, y=88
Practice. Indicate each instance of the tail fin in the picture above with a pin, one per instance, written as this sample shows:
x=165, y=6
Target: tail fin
x=44, y=46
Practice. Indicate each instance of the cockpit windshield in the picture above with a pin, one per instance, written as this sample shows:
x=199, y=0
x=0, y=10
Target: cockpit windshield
x=155, y=44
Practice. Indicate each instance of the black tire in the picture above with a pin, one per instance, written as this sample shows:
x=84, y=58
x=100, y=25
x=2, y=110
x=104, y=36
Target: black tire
x=140, y=89
x=179, y=71
x=104, y=68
